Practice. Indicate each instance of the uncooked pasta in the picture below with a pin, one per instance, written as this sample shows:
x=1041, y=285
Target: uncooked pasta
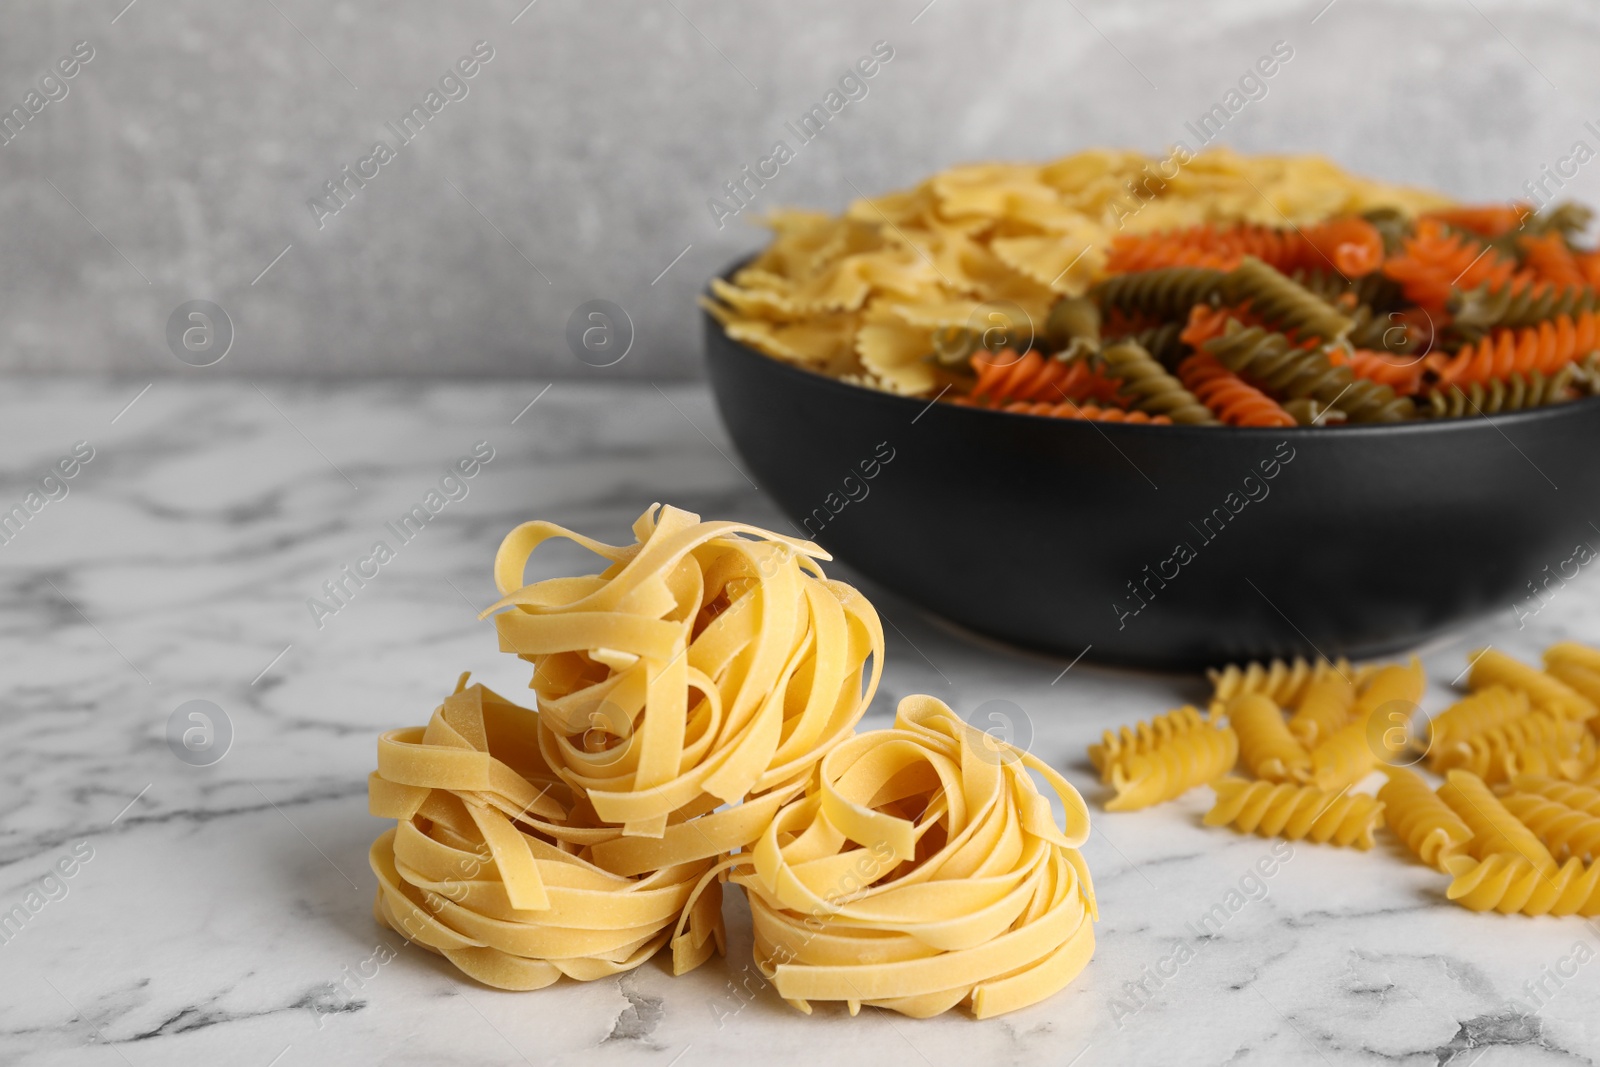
x=1346, y=300
x=920, y=870
x=1515, y=824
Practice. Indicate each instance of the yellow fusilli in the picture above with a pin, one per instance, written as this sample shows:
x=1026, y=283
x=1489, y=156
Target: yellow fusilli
x=1296, y=812
x=1266, y=746
x=1546, y=691
x=1566, y=832
x=1346, y=757
x=1191, y=758
x=1486, y=709
x=1419, y=818
x=1510, y=884
x=1494, y=829
x=1142, y=738
x=1324, y=706
x=1283, y=682
x=1489, y=755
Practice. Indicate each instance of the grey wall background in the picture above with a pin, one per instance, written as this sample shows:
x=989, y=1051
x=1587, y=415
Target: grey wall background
x=180, y=163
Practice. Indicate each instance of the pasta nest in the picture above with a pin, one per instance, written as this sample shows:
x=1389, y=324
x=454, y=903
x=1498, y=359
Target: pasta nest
x=497, y=866
x=709, y=663
x=921, y=869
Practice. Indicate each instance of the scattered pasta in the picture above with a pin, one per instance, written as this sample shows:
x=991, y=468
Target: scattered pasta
x=1515, y=824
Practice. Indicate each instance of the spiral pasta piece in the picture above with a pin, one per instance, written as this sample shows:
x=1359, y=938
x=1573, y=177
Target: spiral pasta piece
x=1324, y=706
x=1195, y=757
x=1168, y=293
x=1233, y=400
x=1375, y=291
x=1271, y=361
x=1403, y=374
x=1514, y=392
x=1492, y=667
x=921, y=869
x=1149, y=386
x=1165, y=342
x=1284, y=682
x=1072, y=328
x=1006, y=376
x=1487, y=709
x=1572, y=652
x=1435, y=261
x=1296, y=812
x=1266, y=746
x=1343, y=758
x=1505, y=751
x=1485, y=220
x=1545, y=347
x=496, y=865
x=1427, y=825
x=1494, y=829
x=1567, y=832
x=1350, y=245
x=1579, y=677
x=1142, y=738
x=710, y=662
x=1512, y=885
x=1550, y=260
x=1583, y=798
x=1520, y=303
x=1283, y=302
x=1087, y=412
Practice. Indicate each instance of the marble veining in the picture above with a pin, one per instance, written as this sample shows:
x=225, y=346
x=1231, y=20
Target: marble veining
x=221, y=914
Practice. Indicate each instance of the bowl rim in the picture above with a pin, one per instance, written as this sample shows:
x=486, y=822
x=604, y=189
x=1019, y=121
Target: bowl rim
x=1446, y=424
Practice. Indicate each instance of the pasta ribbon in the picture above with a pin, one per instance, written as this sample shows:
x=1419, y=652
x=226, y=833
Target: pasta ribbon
x=1296, y=812
x=922, y=869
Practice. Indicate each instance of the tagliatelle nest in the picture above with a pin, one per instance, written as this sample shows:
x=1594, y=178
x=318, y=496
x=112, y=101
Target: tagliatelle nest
x=922, y=869
x=685, y=692
x=861, y=297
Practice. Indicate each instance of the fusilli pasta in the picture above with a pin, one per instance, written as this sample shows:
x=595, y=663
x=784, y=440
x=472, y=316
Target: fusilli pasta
x=1297, y=812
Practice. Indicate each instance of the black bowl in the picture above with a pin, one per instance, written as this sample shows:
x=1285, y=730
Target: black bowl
x=1172, y=546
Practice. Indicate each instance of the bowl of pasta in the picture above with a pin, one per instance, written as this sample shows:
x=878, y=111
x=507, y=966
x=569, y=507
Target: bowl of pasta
x=1197, y=436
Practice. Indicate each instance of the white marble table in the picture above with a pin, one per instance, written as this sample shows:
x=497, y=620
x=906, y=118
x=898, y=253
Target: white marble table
x=218, y=906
